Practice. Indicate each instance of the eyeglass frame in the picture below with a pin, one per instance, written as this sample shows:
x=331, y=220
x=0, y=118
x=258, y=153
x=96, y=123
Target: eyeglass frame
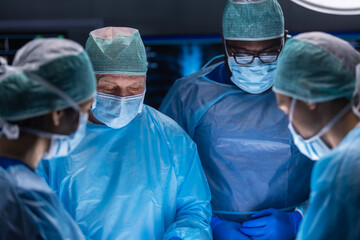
x=278, y=51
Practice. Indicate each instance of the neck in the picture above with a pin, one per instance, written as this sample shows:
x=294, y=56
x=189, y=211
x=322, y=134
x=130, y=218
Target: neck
x=28, y=148
x=338, y=132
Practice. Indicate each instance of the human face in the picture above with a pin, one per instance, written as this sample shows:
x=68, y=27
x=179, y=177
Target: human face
x=252, y=47
x=305, y=118
x=121, y=85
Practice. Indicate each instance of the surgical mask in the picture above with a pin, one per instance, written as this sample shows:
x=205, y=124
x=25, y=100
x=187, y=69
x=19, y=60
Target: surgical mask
x=62, y=145
x=254, y=78
x=116, y=112
x=314, y=147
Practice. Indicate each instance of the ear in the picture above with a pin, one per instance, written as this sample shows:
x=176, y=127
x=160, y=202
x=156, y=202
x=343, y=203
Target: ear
x=56, y=117
x=285, y=36
x=224, y=45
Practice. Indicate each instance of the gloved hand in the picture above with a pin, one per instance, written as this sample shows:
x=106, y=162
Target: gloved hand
x=226, y=230
x=272, y=224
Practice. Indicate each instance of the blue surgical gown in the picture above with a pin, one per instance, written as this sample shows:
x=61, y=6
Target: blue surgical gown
x=143, y=181
x=334, y=211
x=244, y=144
x=29, y=208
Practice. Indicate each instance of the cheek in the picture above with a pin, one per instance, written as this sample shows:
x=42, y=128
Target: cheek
x=305, y=124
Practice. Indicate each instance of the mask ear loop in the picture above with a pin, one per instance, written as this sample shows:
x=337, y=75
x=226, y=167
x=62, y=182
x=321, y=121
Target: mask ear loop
x=328, y=125
x=355, y=102
x=292, y=109
x=335, y=120
x=226, y=50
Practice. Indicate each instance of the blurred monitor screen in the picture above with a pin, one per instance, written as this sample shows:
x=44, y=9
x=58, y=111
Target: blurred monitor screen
x=10, y=43
x=170, y=58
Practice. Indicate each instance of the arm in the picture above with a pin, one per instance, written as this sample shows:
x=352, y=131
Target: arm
x=333, y=212
x=193, y=215
x=172, y=106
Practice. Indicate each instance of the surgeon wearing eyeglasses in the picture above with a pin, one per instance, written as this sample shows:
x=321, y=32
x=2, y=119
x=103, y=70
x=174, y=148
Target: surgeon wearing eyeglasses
x=259, y=180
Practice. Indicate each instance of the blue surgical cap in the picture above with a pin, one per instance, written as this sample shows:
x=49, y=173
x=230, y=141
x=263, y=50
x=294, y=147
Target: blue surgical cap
x=60, y=64
x=252, y=20
x=316, y=67
x=117, y=50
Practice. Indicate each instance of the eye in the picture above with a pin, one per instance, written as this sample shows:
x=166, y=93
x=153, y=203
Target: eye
x=134, y=88
x=107, y=89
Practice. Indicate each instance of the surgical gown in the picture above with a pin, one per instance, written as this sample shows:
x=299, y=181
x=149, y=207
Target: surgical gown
x=334, y=211
x=142, y=181
x=244, y=144
x=29, y=208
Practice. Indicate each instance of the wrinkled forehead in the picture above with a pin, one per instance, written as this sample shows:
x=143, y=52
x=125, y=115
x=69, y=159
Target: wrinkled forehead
x=256, y=45
x=120, y=79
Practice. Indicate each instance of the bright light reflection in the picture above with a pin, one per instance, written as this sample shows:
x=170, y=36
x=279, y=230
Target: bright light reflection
x=342, y=7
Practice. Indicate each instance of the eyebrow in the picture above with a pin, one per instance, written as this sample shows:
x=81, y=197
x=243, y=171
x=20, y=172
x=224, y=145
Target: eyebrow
x=272, y=46
x=109, y=82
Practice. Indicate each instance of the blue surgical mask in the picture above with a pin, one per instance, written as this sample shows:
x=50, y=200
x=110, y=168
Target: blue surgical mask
x=254, y=78
x=116, y=112
x=314, y=147
x=62, y=145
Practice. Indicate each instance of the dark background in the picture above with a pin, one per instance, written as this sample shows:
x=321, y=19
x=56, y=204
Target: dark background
x=180, y=35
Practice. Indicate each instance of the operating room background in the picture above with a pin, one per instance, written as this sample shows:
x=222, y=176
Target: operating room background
x=180, y=36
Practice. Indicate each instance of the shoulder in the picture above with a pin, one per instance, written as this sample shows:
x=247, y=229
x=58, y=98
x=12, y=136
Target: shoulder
x=338, y=171
x=170, y=131
x=194, y=81
x=26, y=180
x=163, y=122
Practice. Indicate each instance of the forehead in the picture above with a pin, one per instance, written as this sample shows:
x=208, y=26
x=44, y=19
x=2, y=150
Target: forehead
x=119, y=79
x=254, y=45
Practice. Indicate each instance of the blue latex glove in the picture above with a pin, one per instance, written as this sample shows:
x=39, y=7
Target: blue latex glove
x=225, y=230
x=175, y=238
x=272, y=224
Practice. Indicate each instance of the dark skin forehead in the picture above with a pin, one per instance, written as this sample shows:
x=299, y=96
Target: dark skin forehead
x=254, y=46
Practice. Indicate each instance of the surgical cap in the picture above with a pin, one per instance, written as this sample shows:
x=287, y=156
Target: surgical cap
x=253, y=20
x=42, y=67
x=316, y=67
x=356, y=99
x=117, y=50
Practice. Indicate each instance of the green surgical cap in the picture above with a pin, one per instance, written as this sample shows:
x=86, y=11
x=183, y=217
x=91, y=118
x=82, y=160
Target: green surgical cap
x=117, y=50
x=253, y=20
x=61, y=65
x=316, y=67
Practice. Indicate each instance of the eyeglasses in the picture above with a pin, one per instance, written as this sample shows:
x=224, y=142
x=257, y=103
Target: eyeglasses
x=264, y=57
